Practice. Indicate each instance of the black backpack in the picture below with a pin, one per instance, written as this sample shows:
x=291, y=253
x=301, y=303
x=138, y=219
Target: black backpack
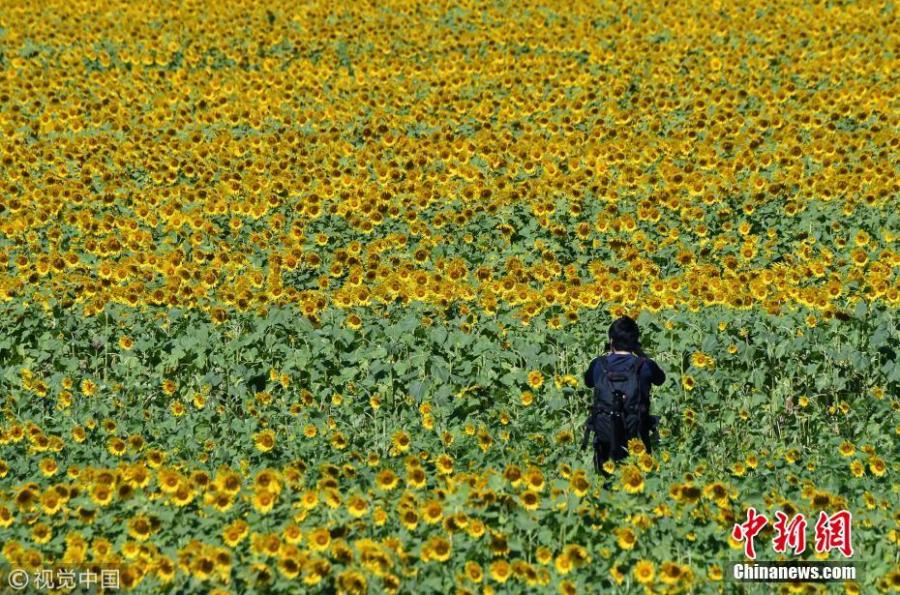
x=619, y=395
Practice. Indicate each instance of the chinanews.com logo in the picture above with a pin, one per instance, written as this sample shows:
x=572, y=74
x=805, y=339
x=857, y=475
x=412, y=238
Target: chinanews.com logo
x=831, y=533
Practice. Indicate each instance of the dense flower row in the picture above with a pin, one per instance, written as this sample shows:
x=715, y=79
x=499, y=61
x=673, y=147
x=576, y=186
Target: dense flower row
x=232, y=158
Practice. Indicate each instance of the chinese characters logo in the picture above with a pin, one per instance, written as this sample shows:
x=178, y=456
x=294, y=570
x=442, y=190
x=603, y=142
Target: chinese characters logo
x=832, y=532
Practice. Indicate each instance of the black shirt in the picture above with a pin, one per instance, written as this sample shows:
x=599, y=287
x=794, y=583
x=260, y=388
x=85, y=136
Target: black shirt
x=618, y=362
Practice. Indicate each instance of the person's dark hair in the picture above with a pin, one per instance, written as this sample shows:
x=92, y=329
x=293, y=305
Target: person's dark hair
x=624, y=335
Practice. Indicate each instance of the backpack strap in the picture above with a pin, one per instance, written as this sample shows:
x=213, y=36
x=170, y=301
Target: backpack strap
x=644, y=397
x=601, y=370
x=602, y=385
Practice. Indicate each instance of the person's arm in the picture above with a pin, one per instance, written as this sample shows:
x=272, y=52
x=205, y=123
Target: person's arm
x=589, y=374
x=657, y=376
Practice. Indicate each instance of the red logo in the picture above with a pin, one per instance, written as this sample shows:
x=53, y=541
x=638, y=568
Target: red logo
x=747, y=530
x=789, y=534
x=832, y=532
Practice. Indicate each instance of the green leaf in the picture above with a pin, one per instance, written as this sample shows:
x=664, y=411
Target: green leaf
x=417, y=388
x=509, y=379
x=438, y=335
x=525, y=522
x=556, y=403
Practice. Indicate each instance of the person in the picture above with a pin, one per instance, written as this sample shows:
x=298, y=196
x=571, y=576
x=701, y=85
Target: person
x=621, y=379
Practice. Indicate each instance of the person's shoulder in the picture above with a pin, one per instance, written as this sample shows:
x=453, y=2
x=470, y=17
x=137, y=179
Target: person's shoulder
x=648, y=362
x=652, y=371
x=600, y=360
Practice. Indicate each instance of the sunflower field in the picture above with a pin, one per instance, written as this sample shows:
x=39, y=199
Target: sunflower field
x=297, y=297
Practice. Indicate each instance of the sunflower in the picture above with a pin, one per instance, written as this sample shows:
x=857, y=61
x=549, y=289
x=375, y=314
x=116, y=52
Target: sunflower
x=530, y=500
x=859, y=257
x=319, y=539
x=168, y=480
x=102, y=548
x=352, y=581
x=473, y=571
x=227, y=481
x=48, y=467
x=527, y=398
x=41, y=533
x=484, y=440
x=184, y=495
x=339, y=441
x=386, y=480
x=164, y=569
x=6, y=516
x=644, y=572
x=432, y=512
x=409, y=519
x=792, y=455
x=202, y=567
x=563, y=564
x=116, y=446
x=155, y=458
x=416, y=478
x=500, y=570
x=235, y=532
x=264, y=440
x=400, y=441
x=263, y=500
x=101, y=494
x=88, y=387
x=475, y=528
x=139, y=527
x=579, y=483
x=309, y=500
x=438, y=548
x=625, y=538
x=535, y=379
x=444, y=464
x=632, y=479
x=857, y=468
x=534, y=479
x=379, y=516
x=846, y=449
x=288, y=567
x=357, y=506
x=646, y=463
x=169, y=387
x=86, y=515
x=268, y=479
x=636, y=447
x=670, y=573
